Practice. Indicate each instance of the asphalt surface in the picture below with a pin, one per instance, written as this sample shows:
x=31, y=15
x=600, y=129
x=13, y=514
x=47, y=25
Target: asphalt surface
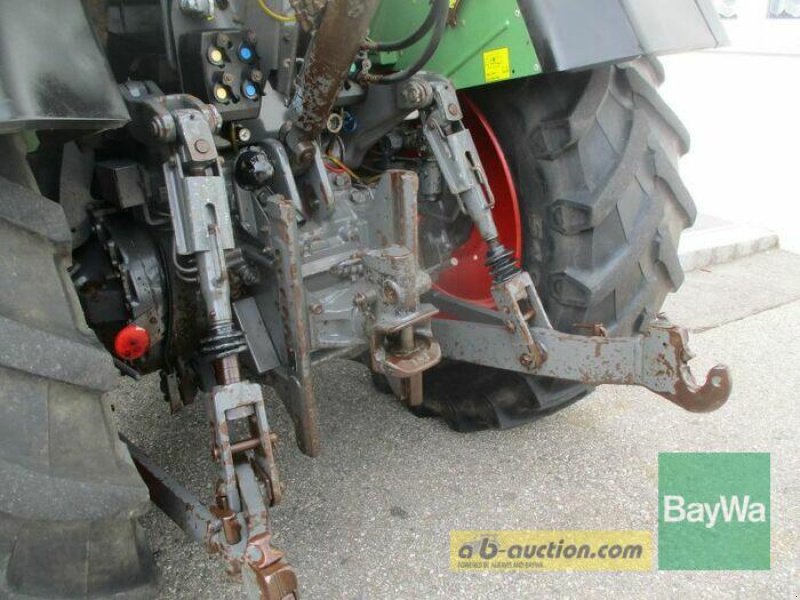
x=370, y=519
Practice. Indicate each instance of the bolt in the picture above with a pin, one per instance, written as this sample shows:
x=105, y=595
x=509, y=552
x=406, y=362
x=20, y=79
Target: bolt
x=390, y=294
x=202, y=146
x=341, y=180
x=526, y=360
x=244, y=134
x=415, y=93
x=223, y=40
x=360, y=300
x=317, y=309
x=412, y=95
x=454, y=110
x=227, y=78
x=161, y=127
x=256, y=76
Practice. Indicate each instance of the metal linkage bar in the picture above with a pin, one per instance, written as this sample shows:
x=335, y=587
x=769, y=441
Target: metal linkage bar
x=656, y=359
x=243, y=401
x=238, y=526
x=178, y=503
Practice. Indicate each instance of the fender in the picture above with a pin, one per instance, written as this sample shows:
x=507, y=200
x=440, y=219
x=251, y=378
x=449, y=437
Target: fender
x=53, y=73
x=578, y=34
x=489, y=41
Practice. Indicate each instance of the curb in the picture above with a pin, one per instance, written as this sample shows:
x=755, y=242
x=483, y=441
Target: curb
x=723, y=242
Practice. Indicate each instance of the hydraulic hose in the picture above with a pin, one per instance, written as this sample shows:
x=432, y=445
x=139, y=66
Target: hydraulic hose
x=406, y=42
x=440, y=12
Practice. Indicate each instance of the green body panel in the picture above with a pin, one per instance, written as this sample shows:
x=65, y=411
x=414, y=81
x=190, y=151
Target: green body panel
x=489, y=43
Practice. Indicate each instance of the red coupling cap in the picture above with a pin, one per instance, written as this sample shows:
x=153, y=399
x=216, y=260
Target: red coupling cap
x=131, y=342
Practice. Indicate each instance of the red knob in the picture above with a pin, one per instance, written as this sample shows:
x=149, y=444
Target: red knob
x=131, y=342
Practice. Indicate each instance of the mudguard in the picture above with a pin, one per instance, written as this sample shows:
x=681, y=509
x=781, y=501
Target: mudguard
x=575, y=34
x=491, y=41
x=53, y=73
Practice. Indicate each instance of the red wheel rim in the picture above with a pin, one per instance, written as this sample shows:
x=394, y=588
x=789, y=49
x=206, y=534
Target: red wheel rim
x=469, y=279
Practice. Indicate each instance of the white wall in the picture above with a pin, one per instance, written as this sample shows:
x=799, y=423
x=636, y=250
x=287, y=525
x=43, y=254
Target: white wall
x=742, y=107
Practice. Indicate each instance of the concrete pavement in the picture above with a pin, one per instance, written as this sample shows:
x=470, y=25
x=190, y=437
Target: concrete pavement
x=714, y=241
x=370, y=519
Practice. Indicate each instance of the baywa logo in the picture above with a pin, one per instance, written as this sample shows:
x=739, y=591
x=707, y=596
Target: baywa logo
x=730, y=509
x=714, y=511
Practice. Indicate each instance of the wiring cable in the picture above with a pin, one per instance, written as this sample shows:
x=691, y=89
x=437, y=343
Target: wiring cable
x=276, y=15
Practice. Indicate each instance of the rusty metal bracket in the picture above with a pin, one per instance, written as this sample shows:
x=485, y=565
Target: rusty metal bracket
x=401, y=343
x=242, y=401
x=521, y=307
x=656, y=359
x=293, y=380
x=265, y=572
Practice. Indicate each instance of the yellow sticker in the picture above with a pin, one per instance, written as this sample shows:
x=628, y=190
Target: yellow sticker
x=551, y=551
x=497, y=65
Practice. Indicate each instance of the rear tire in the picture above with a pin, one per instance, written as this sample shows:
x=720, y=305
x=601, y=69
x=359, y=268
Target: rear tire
x=594, y=157
x=70, y=493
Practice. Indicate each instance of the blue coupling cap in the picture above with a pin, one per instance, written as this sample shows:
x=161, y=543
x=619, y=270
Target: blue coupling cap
x=350, y=122
x=250, y=90
x=246, y=53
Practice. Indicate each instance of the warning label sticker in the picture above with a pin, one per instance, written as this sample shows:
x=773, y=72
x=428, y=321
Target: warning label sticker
x=497, y=65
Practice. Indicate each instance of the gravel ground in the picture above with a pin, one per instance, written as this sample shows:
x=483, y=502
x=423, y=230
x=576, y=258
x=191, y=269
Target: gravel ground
x=370, y=519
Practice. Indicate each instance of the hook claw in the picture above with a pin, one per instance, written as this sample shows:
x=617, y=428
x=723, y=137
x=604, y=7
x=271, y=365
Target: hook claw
x=701, y=399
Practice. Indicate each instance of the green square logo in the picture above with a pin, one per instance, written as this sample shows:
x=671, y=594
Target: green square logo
x=713, y=511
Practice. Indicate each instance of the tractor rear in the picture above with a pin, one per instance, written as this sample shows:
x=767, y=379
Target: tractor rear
x=479, y=201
